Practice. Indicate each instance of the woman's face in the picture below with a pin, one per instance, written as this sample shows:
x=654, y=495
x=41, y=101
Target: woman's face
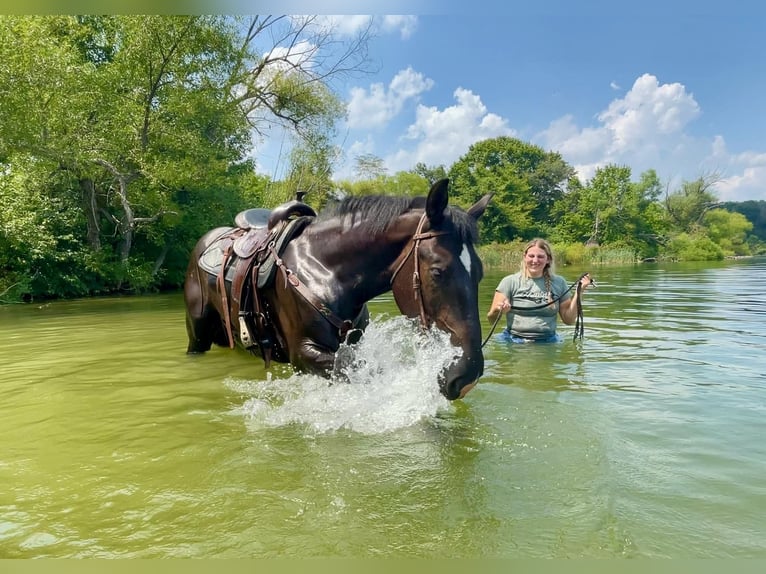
x=535, y=259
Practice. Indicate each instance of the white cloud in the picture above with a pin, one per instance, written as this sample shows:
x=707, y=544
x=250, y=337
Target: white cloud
x=749, y=168
x=443, y=136
x=345, y=25
x=646, y=129
x=287, y=57
x=647, y=111
x=374, y=108
x=350, y=25
x=405, y=25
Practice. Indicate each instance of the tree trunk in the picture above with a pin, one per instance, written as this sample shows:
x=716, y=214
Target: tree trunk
x=90, y=207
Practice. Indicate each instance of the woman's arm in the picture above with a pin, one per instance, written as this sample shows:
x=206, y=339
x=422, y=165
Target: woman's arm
x=568, y=309
x=500, y=304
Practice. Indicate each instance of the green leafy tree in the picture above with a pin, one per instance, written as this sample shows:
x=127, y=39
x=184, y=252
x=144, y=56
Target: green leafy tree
x=687, y=206
x=755, y=211
x=144, y=124
x=401, y=183
x=430, y=173
x=728, y=230
x=311, y=166
x=612, y=210
x=525, y=179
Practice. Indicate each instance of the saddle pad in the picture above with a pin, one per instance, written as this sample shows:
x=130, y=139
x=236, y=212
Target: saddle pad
x=212, y=258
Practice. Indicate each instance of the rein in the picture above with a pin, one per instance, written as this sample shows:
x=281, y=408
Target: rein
x=579, y=325
x=342, y=325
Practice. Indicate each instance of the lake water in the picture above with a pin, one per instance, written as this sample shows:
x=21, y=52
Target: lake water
x=645, y=439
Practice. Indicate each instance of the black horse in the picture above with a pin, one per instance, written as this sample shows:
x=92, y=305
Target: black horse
x=297, y=288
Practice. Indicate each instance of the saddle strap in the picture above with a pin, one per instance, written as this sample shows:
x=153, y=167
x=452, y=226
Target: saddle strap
x=221, y=284
x=261, y=322
x=343, y=325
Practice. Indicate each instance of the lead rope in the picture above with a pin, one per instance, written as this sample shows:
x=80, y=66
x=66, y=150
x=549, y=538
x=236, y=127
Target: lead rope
x=579, y=329
x=579, y=325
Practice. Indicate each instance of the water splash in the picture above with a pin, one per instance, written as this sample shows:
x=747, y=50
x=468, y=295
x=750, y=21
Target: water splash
x=391, y=383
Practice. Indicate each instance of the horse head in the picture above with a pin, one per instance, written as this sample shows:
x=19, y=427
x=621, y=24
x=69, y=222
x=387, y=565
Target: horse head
x=437, y=277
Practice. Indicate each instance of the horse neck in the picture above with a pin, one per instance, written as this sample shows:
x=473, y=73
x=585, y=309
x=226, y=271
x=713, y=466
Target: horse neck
x=372, y=262
x=363, y=265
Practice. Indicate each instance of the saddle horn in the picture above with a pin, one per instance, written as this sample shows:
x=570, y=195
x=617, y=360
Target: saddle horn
x=287, y=210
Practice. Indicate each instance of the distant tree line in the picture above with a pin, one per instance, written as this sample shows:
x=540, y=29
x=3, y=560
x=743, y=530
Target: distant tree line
x=124, y=138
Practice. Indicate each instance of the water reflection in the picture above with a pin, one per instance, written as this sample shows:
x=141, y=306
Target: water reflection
x=540, y=366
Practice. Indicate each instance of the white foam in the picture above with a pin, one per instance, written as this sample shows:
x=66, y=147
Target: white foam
x=392, y=384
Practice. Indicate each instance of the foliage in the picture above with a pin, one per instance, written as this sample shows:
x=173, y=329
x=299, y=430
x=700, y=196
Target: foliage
x=687, y=206
x=311, y=163
x=401, y=183
x=525, y=179
x=728, y=231
x=508, y=256
x=611, y=209
x=692, y=247
x=430, y=173
x=755, y=212
x=124, y=138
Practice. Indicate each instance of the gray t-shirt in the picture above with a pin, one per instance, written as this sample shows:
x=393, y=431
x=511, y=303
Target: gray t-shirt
x=528, y=292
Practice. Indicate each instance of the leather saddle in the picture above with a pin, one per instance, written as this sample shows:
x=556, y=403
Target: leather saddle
x=245, y=257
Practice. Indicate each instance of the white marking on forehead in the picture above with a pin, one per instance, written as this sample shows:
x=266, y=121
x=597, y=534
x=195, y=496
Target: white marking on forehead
x=465, y=258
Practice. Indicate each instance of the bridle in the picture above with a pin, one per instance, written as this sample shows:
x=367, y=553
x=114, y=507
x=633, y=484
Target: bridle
x=419, y=236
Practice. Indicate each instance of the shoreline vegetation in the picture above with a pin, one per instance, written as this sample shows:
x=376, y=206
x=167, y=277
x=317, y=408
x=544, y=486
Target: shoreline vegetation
x=494, y=256
x=507, y=256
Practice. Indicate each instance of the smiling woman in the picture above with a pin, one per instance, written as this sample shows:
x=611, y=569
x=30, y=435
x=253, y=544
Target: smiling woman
x=531, y=298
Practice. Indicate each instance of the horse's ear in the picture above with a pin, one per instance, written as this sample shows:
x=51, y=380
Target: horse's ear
x=478, y=208
x=438, y=197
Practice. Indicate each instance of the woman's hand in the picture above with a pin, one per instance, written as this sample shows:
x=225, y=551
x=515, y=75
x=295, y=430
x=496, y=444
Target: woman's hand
x=500, y=306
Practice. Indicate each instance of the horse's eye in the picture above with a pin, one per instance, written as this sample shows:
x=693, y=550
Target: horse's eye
x=436, y=273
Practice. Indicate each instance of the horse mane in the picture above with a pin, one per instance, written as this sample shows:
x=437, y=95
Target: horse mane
x=376, y=212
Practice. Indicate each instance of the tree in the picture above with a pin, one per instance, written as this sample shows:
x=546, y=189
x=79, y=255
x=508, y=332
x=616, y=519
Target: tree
x=687, y=206
x=611, y=209
x=311, y=164
x=755, y=211
x=728, y=230
x=141, y=120
x=369, y=166
x=430, y=173
x=526, y=181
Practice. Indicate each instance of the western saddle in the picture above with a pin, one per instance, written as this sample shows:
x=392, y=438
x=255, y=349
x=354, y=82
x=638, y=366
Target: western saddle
x=248, y=256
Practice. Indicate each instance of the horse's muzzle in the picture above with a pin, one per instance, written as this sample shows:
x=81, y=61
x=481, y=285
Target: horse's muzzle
x=461, y=377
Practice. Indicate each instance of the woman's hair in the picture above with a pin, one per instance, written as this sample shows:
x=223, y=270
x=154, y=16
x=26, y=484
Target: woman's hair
x=548, y=270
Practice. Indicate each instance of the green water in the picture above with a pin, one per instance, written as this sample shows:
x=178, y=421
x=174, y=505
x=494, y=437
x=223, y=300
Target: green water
x=643, y=440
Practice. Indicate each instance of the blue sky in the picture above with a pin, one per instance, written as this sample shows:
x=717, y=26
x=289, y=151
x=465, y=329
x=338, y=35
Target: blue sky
x=677, y=86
